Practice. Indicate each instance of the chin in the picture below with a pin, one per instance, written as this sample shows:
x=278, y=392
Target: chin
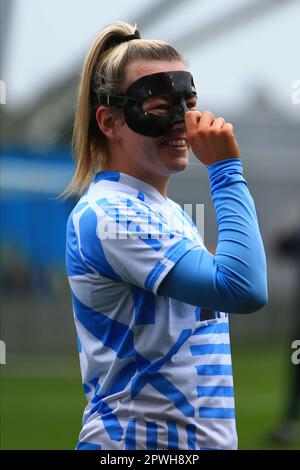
x=177, y=165
x=174, y=160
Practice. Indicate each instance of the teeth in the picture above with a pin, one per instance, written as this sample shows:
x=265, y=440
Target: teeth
x=177, y=143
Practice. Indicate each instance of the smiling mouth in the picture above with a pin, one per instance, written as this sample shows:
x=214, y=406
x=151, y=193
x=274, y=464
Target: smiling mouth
x=176, y=143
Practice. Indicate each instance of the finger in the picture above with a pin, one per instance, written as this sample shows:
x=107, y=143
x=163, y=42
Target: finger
x=228, y=128
x=192, y=119
x=218, y=123
x=207, y=119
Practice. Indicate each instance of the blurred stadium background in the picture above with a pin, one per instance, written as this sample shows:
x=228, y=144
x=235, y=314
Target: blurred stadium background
x=41, y=396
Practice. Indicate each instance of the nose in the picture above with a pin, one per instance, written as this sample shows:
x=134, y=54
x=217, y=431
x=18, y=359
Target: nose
x=183, y=105
x=178, y=120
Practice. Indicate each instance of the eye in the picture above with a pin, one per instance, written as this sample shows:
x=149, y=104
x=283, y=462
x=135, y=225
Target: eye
x=192, y=103
x=157, y=107
x=162, y=106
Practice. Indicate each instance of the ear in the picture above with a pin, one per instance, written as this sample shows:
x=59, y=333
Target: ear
x=107, y=122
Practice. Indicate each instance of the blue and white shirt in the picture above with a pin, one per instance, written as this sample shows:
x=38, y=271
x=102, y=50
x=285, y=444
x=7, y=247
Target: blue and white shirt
x=155, y=373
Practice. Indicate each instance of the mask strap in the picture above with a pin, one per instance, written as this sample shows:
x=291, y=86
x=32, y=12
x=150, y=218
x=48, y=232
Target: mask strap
x=114, y=100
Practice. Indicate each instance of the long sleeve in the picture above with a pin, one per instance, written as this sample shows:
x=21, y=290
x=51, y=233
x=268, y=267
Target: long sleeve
x=235, y=278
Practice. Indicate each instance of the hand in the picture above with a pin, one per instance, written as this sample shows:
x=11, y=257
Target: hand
x=211, y=139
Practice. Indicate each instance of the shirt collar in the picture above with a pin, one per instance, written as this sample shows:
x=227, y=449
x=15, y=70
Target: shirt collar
x=124, y=178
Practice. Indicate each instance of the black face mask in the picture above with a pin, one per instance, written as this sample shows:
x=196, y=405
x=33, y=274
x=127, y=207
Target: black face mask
x=173, y=89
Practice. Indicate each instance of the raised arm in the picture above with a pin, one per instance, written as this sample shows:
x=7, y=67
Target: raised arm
x=233, y=280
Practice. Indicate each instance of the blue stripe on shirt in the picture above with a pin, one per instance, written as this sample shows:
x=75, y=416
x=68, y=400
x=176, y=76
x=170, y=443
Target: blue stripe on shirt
x=130, y=437
x=217, y=413
x=191, y=436
x=214, y=369
x=108, y=175
x=172, y=435
x=215, y=391
x=88, y=446
x=151, y=435
x=154, y=275
x=200, y=349
x=91, y=246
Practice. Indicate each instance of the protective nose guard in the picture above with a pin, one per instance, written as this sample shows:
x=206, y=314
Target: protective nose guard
x=177, y=84
x=179, y=112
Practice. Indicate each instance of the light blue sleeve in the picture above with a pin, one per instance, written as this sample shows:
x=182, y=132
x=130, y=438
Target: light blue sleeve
x=234, y=280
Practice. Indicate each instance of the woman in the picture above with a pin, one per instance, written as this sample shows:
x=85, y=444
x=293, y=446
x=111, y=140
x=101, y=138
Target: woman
x=150, y=302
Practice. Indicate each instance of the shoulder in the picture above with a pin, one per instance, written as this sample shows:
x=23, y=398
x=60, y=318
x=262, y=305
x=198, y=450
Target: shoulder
x=120, y=203
x=174, y=205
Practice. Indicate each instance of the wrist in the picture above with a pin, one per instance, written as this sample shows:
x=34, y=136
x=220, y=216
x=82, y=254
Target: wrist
x=223, y=162
x=225, y=172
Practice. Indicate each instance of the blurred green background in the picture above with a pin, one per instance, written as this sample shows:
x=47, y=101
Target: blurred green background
x=42, y=400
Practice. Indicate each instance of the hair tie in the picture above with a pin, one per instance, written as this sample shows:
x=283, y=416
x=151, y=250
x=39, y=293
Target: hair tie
x=129, y=37
x=117, y=40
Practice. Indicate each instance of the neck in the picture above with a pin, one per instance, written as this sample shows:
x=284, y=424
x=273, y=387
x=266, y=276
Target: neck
x=159, y=182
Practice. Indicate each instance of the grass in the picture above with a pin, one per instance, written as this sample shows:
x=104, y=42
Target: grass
x=42, y=400
x=40, y=409
x=261, y=378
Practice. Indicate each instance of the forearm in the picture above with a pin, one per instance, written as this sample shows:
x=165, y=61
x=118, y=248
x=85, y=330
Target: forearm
x=234, y=279
x=240, y=258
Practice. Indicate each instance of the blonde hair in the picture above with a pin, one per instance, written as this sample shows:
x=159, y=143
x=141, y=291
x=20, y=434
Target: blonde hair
x=104, y=73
